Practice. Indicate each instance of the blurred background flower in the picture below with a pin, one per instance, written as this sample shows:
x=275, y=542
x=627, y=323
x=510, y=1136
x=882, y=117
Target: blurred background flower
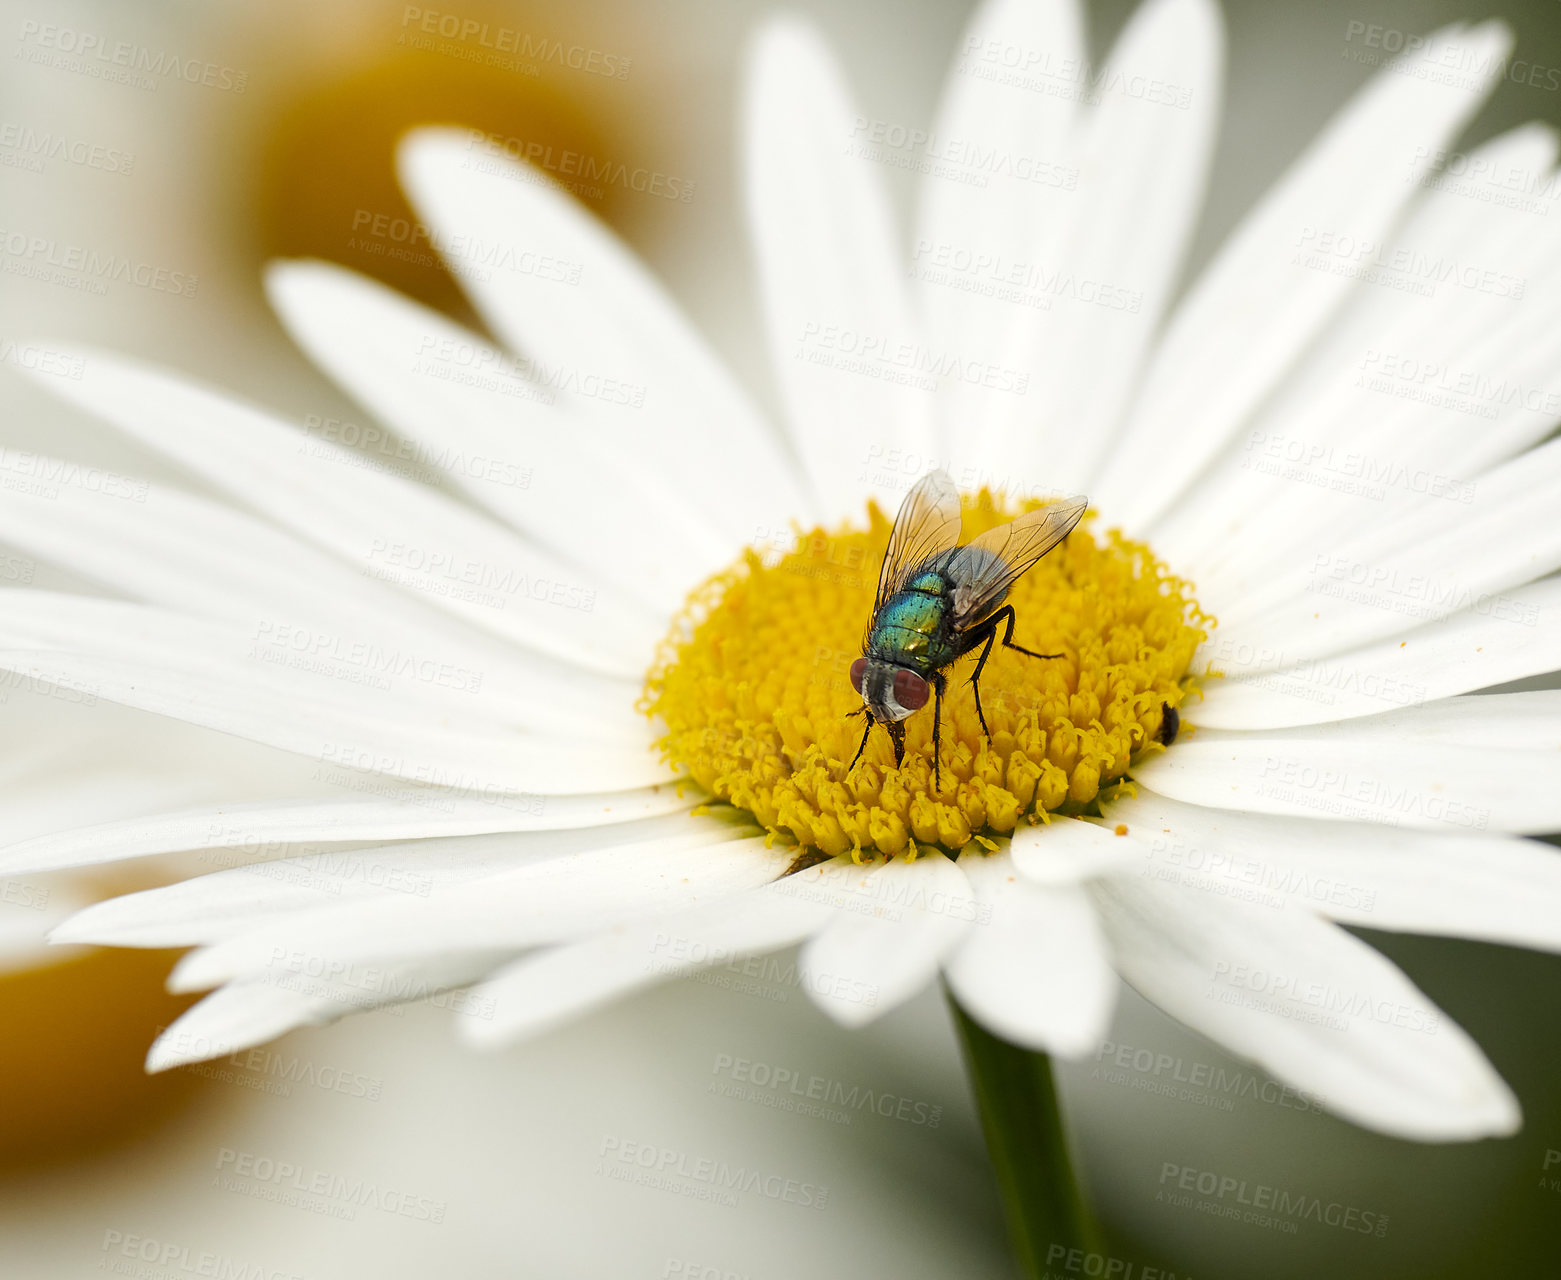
x=266, y=129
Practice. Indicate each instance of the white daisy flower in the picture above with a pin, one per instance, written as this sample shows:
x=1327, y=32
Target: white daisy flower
x=470, y=669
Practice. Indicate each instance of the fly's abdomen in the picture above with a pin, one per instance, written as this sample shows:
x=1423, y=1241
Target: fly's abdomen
x=909, y=630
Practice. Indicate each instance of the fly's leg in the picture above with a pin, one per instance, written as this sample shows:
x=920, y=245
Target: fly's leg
x=986, y=636
x=939, y=682
x=863, y=747
x=1008, y=634
x=975, y=677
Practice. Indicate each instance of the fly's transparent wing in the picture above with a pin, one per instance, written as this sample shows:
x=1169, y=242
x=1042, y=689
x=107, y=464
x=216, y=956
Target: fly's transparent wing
x=983, y=570
x=927, y=525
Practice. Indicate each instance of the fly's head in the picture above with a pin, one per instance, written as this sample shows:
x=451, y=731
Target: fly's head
x=890, y=693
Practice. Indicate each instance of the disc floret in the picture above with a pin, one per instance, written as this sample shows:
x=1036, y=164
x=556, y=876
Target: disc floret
x=753, y=688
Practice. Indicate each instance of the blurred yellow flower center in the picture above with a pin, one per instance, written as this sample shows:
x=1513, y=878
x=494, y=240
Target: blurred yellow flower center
x=753, y=687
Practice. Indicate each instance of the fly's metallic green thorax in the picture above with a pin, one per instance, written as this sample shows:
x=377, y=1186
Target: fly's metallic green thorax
x=912, y=629
x=938, y=600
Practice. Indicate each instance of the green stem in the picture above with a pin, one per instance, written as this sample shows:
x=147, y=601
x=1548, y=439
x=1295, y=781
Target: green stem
x=1017, y=1095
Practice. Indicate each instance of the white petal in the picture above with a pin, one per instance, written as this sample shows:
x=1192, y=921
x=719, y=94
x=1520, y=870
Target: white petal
x=1033, y=970
x=243, y=1014
x=1067, y=851
x=1404, y=444
x=1135, y=154
x=208, y=908
x=1342, y=776
x=384, y=527
x=173, y=548
x=1418, y=568
x=446, y=388
x=1466, y=651
x=1529, y=720
x=537, y=992
x=590, y=318
x=238, y=1016
x=1024, y=200
x=549, y=901
x=894, y=924
x=301, y=608
x=260, y=830
x=1378, y=414
x=1313, y=1005
x=1492, y=888
x=58, y=741
x=199, y=672
x=832, y=280
x=29, y=913
x=1255, y=309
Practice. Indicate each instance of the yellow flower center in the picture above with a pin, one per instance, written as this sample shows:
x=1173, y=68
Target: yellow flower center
x=752, y=686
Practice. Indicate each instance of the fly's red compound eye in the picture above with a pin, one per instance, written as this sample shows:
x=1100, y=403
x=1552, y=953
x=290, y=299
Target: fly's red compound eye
x=910, y=690
x=858, y=674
